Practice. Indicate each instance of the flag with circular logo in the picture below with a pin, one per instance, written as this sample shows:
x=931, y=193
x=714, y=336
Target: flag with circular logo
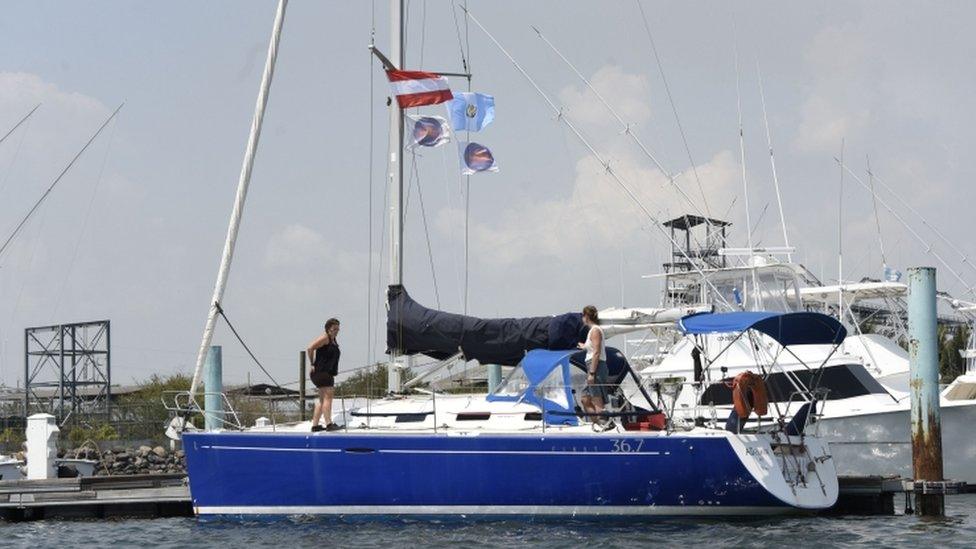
x=428, y=131
x=476, y=158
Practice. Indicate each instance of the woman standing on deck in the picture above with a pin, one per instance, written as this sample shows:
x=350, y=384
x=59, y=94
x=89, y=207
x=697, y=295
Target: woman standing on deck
x=323, y=354
x=595, y=393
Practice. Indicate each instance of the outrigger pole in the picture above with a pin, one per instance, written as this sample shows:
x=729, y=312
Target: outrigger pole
x=242, y=185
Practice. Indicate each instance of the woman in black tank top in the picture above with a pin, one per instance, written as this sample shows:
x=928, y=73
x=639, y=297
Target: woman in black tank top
x=323, y=353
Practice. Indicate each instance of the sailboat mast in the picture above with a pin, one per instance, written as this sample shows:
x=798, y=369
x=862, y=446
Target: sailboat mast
x=394, y=382
x=396, y=150
x=242, y=185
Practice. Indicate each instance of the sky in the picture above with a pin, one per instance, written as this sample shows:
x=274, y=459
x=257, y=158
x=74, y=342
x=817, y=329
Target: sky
x=133, y=232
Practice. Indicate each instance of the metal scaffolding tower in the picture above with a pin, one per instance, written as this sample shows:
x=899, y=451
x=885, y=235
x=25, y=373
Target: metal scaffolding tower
x=68, y=369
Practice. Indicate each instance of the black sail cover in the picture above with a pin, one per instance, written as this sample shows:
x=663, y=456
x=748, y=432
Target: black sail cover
x=412, y=329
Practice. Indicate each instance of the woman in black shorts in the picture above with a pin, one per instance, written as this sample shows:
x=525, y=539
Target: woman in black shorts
x=323, y=353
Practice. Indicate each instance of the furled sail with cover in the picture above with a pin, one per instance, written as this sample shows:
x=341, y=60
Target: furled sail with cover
x=412, y=329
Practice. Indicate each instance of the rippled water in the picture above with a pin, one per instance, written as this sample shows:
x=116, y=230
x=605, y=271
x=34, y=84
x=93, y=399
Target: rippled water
x=958, y=529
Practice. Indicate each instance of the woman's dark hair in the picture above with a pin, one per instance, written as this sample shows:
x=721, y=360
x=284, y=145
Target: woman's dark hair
x=330, y=323
x=590, y=312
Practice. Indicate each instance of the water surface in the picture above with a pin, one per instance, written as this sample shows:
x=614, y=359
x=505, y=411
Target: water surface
x=958, y=529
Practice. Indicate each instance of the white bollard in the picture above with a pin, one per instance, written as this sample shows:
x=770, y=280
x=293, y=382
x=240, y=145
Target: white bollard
x=42, y=446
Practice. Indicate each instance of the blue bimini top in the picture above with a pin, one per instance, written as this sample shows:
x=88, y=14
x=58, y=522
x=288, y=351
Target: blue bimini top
x=786, y=328
x=545, y=381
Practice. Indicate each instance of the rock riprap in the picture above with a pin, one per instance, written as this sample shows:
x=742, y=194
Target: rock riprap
x=144, y=460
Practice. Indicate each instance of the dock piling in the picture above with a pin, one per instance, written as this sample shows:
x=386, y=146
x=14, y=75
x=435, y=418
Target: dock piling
x=213, y=403
x=42, y=447
x=494, y=376
x=923, y=356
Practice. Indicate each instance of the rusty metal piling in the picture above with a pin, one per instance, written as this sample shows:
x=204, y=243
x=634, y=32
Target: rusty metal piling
x=923, y=354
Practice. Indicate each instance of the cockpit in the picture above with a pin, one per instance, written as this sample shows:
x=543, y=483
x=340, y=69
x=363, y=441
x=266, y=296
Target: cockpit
x=553, y=381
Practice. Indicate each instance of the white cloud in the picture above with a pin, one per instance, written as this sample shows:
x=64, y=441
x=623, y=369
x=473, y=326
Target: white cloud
x=825, y=122
x=835, y=106
x=55, y=131
x=302, y=262
x=296, y=246
x=629, y=94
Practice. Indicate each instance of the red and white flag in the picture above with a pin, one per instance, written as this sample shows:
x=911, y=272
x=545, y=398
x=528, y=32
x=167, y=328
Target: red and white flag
x=416, y=88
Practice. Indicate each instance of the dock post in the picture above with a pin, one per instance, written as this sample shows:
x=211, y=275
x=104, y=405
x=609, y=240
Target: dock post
x=301, y=385
x=213, y=404
x=42, y=446
x=494, y=376
x=923, y=355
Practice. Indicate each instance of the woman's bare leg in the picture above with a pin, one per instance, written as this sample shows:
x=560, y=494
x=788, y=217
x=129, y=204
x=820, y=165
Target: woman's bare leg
x=587, y=403
x=597, y=404
x=598, y=409
x=317, y=411
x=327, y=395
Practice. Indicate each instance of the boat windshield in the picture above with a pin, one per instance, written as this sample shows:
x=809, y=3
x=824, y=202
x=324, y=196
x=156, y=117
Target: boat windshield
x=553, y=388
x=776, y=289
x=513, y=385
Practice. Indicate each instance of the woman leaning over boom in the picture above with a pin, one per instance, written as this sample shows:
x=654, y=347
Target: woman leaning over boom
x=323, y=354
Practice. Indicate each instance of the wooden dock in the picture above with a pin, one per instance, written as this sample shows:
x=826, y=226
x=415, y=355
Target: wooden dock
x=877, y=495
x=163, y=495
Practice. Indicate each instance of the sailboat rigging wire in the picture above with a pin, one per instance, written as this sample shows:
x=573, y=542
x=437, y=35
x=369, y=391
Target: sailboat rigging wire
x=937, y=232
x=383, y=233
x=242, y=185
x=772, y=163
x=877, y=220
x=17, y=125
x=457, y=30
x=423, y=31
x=840, y=237
x=467, y=180
x=674, y=108
x=415, y=177
x=628, y=129
x=762, y=214
x=742, y=164
x=369, y=214
x=13, y=159
x=220, y=311
x=84, y=224
x=928, y=247
x=560, y=115
x=57, y=179
x=450, y=204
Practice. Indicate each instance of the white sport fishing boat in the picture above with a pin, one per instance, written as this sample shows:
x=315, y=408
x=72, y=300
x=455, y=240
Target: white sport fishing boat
x=865, y=411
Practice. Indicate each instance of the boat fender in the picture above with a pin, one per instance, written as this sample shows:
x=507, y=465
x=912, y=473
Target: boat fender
x=748, y=394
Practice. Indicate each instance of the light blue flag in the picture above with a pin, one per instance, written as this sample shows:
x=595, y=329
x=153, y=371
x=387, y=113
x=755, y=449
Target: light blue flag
x=471, y=111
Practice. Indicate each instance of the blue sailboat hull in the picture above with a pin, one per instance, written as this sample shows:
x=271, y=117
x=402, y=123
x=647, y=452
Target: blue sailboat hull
x=446, y=474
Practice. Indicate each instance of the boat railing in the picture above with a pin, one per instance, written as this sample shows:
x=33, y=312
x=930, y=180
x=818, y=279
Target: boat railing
x=671, y=388
x=182, y=404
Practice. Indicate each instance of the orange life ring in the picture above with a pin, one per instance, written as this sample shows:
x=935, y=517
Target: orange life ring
x=744, y=385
